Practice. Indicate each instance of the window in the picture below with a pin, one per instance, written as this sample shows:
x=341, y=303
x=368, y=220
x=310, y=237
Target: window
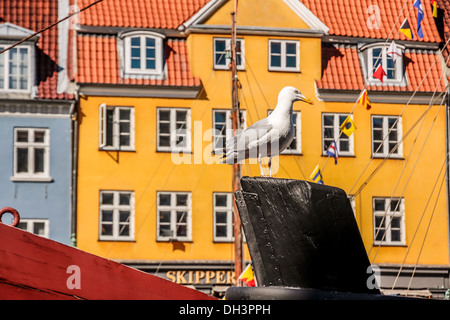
x=174, y=216
x=15, y=69
x=222, y=53
x=116, y=128
x=389, y=221
x=331, y=123
x=223, y=217
x=39, y=227
x=284, y=55
x=143, y=53
x=393, y=69
x=386, y=134
x=223, y=128
x=296, y=145
x=116, y=215
x=31, y=153
x=174, y=129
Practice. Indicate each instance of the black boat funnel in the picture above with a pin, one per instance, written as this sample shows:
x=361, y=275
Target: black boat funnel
x=301, y=235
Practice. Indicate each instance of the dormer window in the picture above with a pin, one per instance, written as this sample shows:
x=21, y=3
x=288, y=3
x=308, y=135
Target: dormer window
x=143, y=53
x=392, y=65
x=15, y=69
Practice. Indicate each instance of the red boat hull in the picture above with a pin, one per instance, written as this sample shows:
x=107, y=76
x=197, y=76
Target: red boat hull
x=32, y=267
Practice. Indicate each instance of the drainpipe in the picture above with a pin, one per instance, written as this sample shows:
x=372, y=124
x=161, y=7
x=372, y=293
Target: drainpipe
x=74, y=134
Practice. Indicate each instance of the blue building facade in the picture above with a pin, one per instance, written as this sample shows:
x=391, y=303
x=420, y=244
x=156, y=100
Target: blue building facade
x=36, y=119
x=36, y=168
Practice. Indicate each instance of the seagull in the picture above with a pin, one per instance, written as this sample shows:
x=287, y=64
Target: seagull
x=267, y=137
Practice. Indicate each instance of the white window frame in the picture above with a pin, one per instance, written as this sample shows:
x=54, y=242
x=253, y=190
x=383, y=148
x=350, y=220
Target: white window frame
x=29, y=226
x=159, y=56
x=228, y=134
x=5, y=58
x=173, y=133
x=227, y=54
x=116, y=207
x=173, y=209
x=337, y=134
x=116, y=128
x=283, y=55
x=229, y=224
x=32, y=146
x=386, y=216
x=384, y=151
x=384, y=62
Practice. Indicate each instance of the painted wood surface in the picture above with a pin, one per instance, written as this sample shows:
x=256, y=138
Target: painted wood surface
x=32, y=267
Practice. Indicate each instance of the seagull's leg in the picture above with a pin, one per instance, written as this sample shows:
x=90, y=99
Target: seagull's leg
x=270, y=166
x=260, y=166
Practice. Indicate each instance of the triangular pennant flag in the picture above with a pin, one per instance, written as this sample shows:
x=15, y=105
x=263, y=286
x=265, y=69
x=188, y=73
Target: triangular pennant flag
x=406, y=29
x=348, y=126
x=332, y=151
x=394, y=52
x=420, y=15
x=247, y=276
x=316, y=175
x=379, y=73
x=434, y=5
x=364, y=100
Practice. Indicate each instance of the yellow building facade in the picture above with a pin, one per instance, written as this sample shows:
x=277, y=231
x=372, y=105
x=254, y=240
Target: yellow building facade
x=157, y=199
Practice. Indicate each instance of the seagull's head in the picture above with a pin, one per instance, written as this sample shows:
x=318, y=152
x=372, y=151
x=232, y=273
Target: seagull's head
x=293, y=94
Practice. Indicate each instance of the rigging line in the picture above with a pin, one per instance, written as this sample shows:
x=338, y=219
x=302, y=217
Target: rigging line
x=421, y=218
x=50, y=26
x=407, y=182
x=426, y=232
x=403, y=170
x=401, y=113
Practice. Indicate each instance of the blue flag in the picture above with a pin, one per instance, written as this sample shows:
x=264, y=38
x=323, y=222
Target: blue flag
x=420, y=15
x=332, y=151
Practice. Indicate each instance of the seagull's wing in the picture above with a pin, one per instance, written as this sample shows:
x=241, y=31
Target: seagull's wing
x=242, y=145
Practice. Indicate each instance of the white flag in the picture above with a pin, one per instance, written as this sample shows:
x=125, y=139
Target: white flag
x=394, y=52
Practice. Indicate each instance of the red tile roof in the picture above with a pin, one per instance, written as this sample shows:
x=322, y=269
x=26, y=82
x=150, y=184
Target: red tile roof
x=444, y=14
x=161, y=14
x=98, y=62
x=342, y=70
x=36, y=15
x=350, y=18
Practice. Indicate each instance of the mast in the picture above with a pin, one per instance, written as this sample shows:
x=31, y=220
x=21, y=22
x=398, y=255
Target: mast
x=235, y=115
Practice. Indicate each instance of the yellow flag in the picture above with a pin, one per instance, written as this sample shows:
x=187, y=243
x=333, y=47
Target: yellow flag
x=247, y=276
x=348, y=126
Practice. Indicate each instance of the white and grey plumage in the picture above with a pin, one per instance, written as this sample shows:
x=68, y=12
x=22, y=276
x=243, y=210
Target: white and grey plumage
x=269, y=136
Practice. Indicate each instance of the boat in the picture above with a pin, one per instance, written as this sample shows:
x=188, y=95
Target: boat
x=37, y=268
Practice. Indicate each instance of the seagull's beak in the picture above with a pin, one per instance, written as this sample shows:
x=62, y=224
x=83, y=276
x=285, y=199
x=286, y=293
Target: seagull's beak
x=305, y=99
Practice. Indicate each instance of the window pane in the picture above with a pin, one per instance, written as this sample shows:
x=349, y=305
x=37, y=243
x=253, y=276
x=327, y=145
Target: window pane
x=135, y=64
x=39, y=136
x=135, y=52
x=39, y=228
x=291, y=61
x=221, y=200
x=150, y=42
x=291, y=48
x=164, y=141
x=164, y=231
x=22, y=136
x=150, y=64
x=275, y=47
x=182, y=199
x=377, y=122
x=379, y=205
x=181, y=115
x=107, y=229
x=124, y=230
x=124, y=216
x=109, y=126
x=328, y=120
x=164, y=199
x=22, y=160
x=221, y=231
x=107, y=197
x=221, y=217
x=275, y=61
x=164, y=216
x=181, y=216
x=164, y=128
x=164, y=115
x=136, y=41
x=39, y=160
x=107, y=215
x=181, y=230
x=124, y=199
